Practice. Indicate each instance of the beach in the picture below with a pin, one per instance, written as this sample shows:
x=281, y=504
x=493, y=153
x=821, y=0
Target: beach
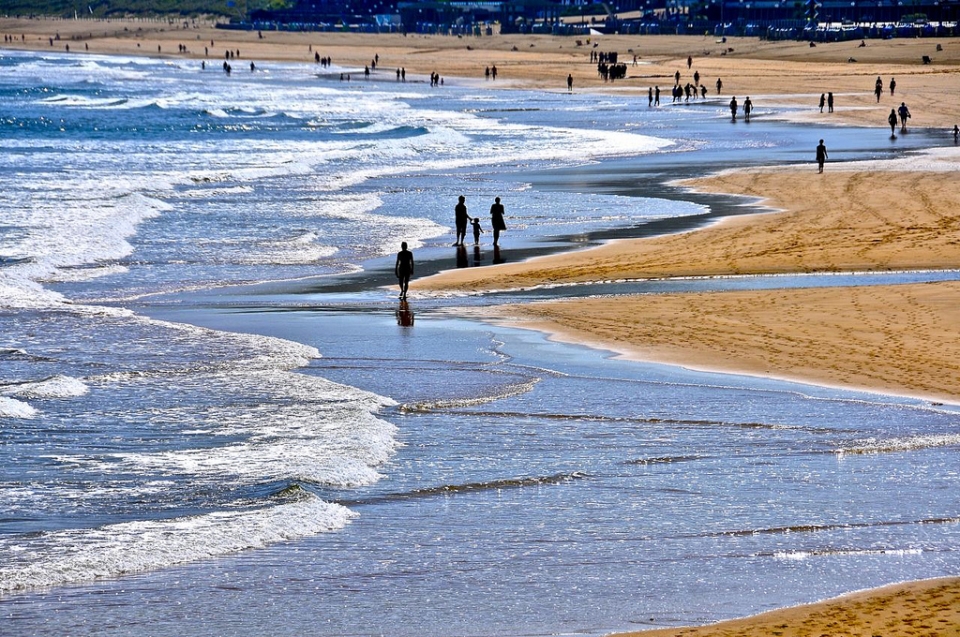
x=786, y=71
x=921, y=608
x=868, y=216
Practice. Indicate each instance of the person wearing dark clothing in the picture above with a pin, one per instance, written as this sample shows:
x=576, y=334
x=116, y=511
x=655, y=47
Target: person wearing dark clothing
x=404, y=268
x=475, y=222
x=461, y=217
x=496, y=220
x=904, y=116
x=892, y=120
x=830, y=102
x=733, y=108
x=821, y=155
x=823, y=100
x=747, y=108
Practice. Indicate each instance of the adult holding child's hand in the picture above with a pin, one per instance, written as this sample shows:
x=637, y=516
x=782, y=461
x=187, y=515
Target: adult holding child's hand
x=496, y=220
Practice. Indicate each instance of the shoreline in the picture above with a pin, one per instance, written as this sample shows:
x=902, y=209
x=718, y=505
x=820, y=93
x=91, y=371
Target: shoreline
x=906, y=609
x=893, y=339
x=787, y=72
x=853, y=112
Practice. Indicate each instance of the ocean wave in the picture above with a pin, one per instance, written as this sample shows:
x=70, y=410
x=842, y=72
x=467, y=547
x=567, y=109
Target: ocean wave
x=86, y=273
x=454, y=403
x=277, y=422
x=340, y=448
x=382, y=131
x=12, y=408
x=818, y=528
x=298, y=250
x=897, y=445
x=504, y=483
x=798, y=555
x=83, y=101
x=217, y=192
x=470, y=487
x=665, y=460
x=82, y=555
x=67, y=243
x=54, y=387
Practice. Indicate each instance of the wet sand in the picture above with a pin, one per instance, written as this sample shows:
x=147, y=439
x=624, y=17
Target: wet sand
x=898, y=215
x=899, y=339
x=929, y=608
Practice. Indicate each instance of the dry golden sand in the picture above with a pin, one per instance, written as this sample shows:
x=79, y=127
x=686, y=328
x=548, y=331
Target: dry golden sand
x=929, y=608
x=899, y=339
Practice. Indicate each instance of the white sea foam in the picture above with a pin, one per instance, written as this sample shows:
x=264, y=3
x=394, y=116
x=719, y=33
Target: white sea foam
x=799, y=555
x=83, y=101
x=68, y=275
x=62, y=557
x=301, y=249
x=322, y=432
x=293, y=425
x=895, y=445
x=59, y=242
x=55, y=387
x=12, y=408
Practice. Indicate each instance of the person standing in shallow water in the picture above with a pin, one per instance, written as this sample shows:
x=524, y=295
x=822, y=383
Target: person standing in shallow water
x=477, y=230
x=461, y=217
x=404, y=269
x=496, y=220
x=904, y=116
x=821, y=155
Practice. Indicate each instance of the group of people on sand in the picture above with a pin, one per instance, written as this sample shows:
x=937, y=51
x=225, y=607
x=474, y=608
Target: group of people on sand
x=826, y=99
x=878, y=87
x=403, y=269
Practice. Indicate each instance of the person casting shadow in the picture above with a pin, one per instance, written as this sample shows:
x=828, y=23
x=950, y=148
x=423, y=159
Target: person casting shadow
x=496, y=220
x=461, y=217
x=404, y=268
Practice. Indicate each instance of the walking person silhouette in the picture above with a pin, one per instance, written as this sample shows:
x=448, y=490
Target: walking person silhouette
x=404, y=269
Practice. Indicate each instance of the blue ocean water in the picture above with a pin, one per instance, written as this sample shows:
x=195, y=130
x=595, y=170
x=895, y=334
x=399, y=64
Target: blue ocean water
x=214, y=415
